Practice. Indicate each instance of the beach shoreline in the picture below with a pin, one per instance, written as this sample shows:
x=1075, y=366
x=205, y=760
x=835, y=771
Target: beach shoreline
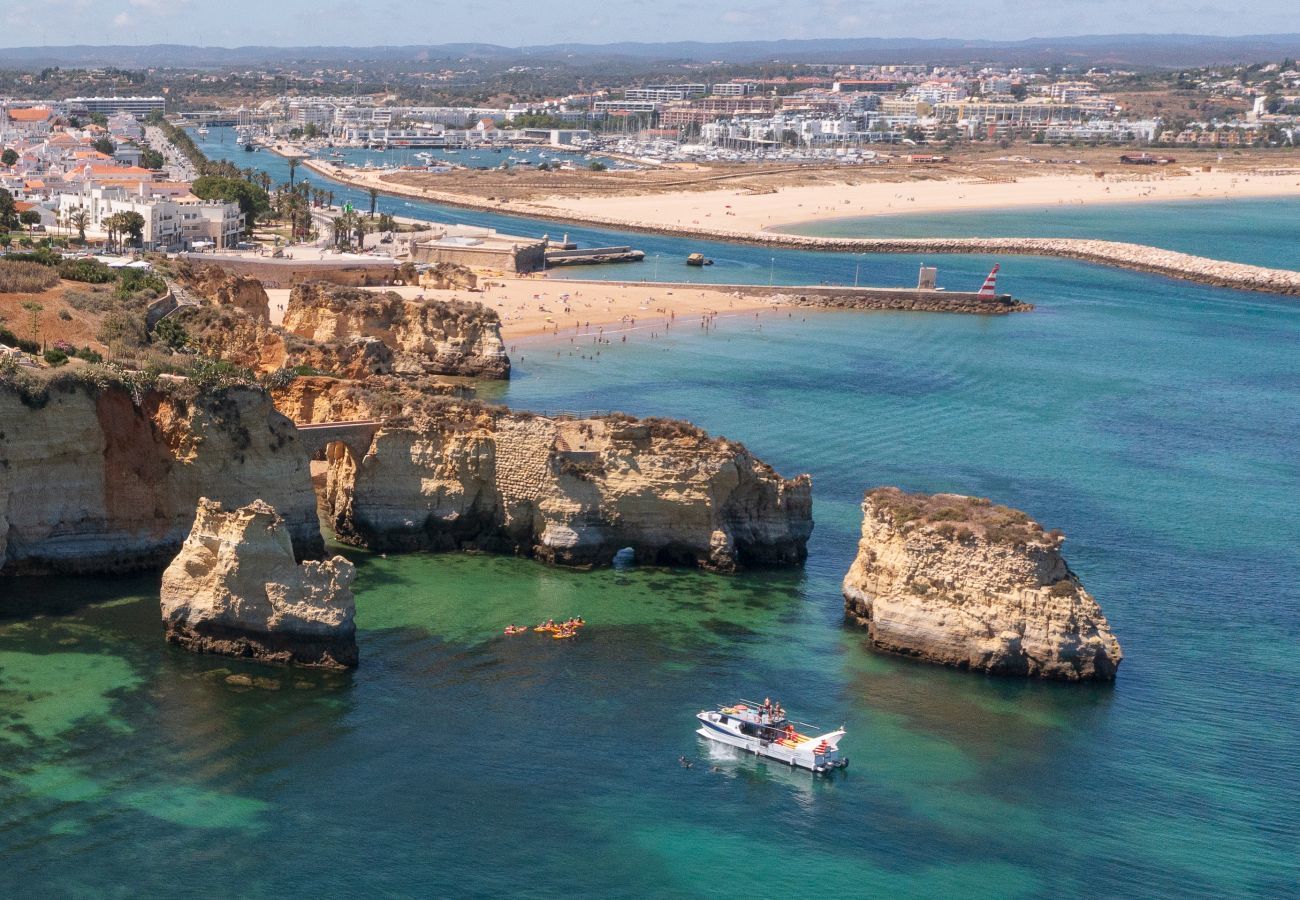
x=1117, y=254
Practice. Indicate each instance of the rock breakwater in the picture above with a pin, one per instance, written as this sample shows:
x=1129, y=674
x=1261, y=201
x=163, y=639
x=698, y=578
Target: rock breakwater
x=960, y=581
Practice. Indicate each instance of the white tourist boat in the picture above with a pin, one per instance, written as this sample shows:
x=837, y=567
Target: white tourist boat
x=765, y=731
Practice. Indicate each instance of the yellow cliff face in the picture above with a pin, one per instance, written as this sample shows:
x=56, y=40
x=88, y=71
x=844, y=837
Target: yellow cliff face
x=572, y=492
x=427, y=337
x=958, y=581
x=232, y=291
x=235, y=589
x=92, y=480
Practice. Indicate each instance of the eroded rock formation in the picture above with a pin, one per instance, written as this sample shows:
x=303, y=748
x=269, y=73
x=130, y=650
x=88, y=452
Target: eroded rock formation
x=231, y=291
x=569, y=491
x=959, y=581
x=93, y=479
x=235, y=589
x=426, y=337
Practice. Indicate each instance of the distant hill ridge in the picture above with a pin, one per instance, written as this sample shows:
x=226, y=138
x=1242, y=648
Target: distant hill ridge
x=1144, y=50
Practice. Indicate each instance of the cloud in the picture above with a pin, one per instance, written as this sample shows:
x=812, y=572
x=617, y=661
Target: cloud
x=121, y=20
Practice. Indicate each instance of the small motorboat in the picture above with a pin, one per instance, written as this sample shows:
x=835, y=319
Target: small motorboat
x=764, y=730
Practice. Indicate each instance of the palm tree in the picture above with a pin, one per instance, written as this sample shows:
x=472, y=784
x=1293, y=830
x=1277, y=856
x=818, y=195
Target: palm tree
x=79, y=218
x=264, y=179
x=344, y=224
x=133, y=224
x=293, y=167
x=109, y=224
x=374, y=198
x=360, y=230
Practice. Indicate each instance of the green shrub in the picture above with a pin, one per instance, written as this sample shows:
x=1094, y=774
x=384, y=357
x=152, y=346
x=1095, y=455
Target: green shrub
x=88, y=271
x=170, y=334
x=1063, y=588
x=56, y=358
x=123, y=329
x=44, y=255
x=89, y=355
x=137, y=283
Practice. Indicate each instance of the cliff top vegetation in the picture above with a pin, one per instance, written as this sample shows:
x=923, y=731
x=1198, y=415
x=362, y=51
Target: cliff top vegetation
x=959, y=517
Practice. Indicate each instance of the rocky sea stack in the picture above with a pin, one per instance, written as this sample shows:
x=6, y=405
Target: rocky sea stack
x=236, y=590
x=963, y=582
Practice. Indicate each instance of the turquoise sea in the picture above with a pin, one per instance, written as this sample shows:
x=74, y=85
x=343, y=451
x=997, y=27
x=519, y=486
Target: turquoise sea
x=1155, y=422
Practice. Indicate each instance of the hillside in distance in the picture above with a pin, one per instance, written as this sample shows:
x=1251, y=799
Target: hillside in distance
x=1126, y=50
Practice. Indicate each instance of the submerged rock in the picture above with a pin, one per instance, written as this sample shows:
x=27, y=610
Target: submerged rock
x=959, y=581
x=568, y=491
x=236, y=590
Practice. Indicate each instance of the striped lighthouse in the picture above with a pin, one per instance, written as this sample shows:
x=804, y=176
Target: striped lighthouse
x=989, y=290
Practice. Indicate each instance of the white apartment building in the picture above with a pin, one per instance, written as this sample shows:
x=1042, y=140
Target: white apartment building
x=169, y=223
x=734, y=89
x=140, y=107
x=666, y=93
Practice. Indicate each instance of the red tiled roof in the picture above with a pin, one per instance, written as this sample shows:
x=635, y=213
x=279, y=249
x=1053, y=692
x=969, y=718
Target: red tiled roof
x=32, y=114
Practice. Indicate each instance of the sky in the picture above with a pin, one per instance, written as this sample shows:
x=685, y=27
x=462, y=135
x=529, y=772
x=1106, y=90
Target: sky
x=522, y=22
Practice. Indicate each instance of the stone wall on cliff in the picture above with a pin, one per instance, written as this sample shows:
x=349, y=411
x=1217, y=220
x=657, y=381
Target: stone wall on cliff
x=959, y=581
x=569, y=491
x=235, y=589
x=426, y=337
x=94, y=479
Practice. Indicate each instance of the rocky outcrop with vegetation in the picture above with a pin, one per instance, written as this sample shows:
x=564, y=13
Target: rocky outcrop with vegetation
x=100, y=470
x=963, y=582
x=426, y=337
x=452, y=475
x=229, y=290
x=235, y=589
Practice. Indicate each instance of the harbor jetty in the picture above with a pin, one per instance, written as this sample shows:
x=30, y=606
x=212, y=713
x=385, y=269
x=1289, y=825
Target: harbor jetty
x=842, y=297
x=1117, y=254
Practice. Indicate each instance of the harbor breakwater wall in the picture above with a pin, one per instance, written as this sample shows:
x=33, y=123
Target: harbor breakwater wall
x=1118, y=254
x=834, y=297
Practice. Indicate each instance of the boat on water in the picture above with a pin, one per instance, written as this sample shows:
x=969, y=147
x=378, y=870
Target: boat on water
x=202, y=132
x=764, y=730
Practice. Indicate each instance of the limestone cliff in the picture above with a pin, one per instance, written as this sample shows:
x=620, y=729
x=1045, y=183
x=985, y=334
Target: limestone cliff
x=261, y=347
x=959, y=581
x=320, y=398
x=236, y=590
x=227, y=290
x=569, y=491
x=97, y=475
x=426, y=337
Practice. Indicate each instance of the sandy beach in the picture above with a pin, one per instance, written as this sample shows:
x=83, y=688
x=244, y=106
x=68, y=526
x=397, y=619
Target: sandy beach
x=744, y=211
x=589, y=310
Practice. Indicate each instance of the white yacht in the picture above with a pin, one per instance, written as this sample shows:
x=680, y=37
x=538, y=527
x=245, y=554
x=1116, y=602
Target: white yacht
x=764, y=730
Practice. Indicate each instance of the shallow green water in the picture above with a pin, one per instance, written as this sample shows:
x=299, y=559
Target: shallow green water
x=1155, y=423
